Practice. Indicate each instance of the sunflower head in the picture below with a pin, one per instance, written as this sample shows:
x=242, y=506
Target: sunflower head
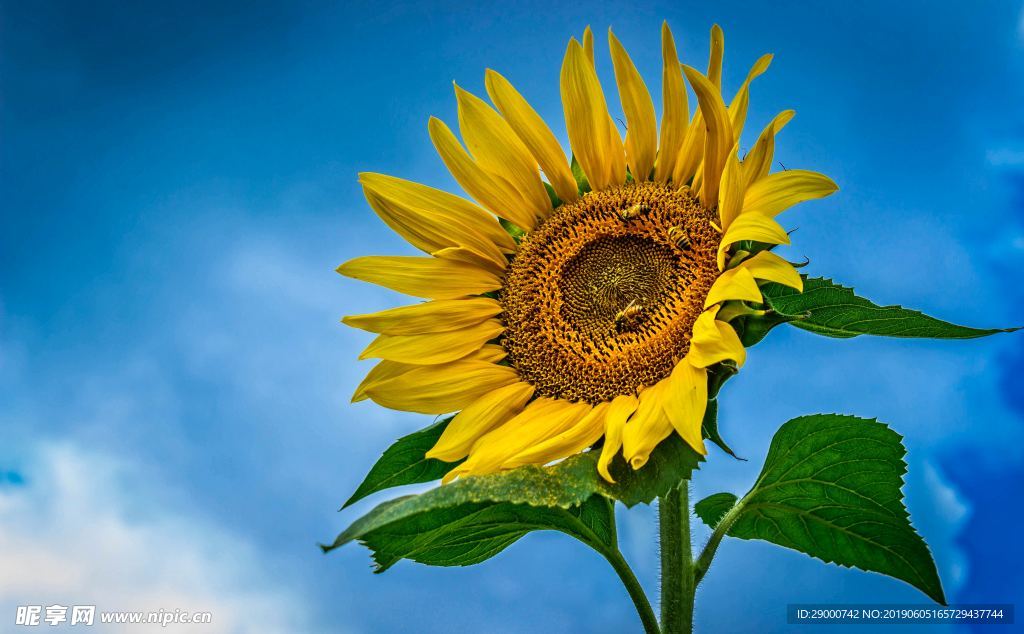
x=586, y=306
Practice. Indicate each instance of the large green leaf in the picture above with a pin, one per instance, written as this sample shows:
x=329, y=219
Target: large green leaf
x=826, y=308
x=475, y=518
x=405, y=463
x=830, y=488
x=466, y=533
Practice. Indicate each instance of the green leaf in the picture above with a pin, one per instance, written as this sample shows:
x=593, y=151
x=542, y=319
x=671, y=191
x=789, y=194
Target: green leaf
x=830, y=488
x=405, y=463
x=471, y=520
x=466, y=534
x=829, y=309
x=713, y=508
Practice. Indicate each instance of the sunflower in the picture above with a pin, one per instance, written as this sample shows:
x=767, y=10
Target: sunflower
x=589, y=306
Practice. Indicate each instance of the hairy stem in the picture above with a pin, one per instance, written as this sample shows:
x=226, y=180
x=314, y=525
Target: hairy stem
x=677, y=569
x=708, y=552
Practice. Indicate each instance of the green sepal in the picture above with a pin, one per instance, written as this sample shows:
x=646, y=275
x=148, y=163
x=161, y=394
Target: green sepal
x=556, y=202
x=581, y=179
x=718, y=374
x=832, y=310
x=405, y=462
x=513, y=230
x=831, y=488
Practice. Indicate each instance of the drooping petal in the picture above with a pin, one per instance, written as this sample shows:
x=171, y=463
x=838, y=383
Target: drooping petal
x=751, y=227
x=534, y=133
x=686, y=398
x=730, y=195
x=591, y=134
x=385, y=370
x=492, y=191
x=778, y=192
x=447, y=219
x=768, y=266
x=740, y=103
x=715, y=57
x=440, y=389
x=648, y=426
x=619, y=411
x=437, y=316
x=542, y=419
x=480, y=417
x=581, y=435
x=433, y=348
x=719, y=138
x=675, y=109
x=498, y=150
x=381, y=372
x=759, y=160
x=737, y=283
x=642, y=124
x=714, y=341
x=432, y=278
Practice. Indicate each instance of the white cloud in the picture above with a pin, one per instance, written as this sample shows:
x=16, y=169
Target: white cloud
x=88, y=529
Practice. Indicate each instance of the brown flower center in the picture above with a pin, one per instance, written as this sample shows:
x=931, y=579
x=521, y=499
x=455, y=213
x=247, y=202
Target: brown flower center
x=601, y=299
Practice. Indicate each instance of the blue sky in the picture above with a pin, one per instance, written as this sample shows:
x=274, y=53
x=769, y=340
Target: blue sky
x=178, y=183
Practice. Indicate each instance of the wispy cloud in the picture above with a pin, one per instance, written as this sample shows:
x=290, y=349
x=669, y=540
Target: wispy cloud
x=88, y=529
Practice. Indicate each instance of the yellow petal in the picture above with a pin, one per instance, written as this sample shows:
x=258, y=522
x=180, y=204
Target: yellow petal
x=535, y=134
x=498, y=150
x=714, y=341
x=381, y=372
x=751, y=227
x=715, y=58
x=778, y=192
x=390, y=369
x=740, y=103
x=491, y=191
x=451, y=212
x=686, y=398
x=422, y=277
x=468, y=256
x=730, y=196
x=542, y=419
x=757, y=163
x=433, y=348
x=648, y=426
x=591, y=134
x=675, y=109
x=719, y=138
x=620, y=409
x=438, y=316
x=588, y=45
x=768, y=266
x=737, y=283
x=642, y=124
x=480, y=417
x=440, y=389
x=583, y=434
x=691, y=153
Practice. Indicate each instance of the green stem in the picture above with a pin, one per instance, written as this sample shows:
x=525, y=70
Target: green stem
x=636, y=591
x=677, y=571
